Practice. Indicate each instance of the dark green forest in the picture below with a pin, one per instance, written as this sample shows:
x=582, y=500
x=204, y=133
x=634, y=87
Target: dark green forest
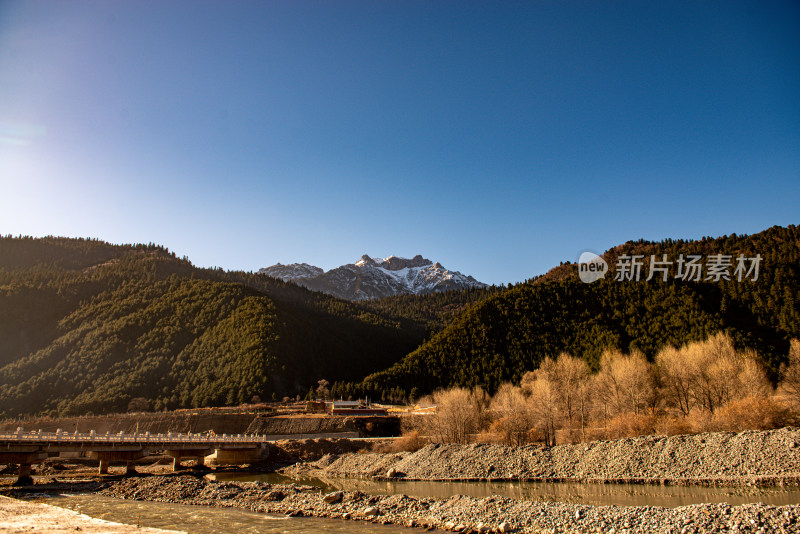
x=434, y=311
x=502, y=337
x=86, y=326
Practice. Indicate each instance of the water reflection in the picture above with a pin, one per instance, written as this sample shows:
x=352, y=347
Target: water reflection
x=572, y=492
x=208, y=519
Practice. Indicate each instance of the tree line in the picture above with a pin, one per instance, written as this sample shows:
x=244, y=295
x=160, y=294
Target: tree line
x=701, y=386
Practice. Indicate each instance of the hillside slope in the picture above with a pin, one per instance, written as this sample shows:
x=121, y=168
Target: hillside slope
x=86, y=326
x=500, y=338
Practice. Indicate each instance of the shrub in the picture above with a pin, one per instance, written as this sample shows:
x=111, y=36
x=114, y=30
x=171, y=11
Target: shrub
x=790, y=374
x=408, y=442
x=751, y=413
x=630, y=424
x=669, y=425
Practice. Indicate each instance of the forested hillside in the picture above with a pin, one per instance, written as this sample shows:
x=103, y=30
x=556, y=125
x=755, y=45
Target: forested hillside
x=433, y=311
x=86, y=326
x=502, y=337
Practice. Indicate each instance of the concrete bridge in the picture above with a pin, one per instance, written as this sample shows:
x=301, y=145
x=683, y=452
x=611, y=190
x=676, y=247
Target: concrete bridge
x=28, y=448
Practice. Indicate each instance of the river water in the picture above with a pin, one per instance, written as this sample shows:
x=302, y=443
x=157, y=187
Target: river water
x=572, y=492
x=207, y=520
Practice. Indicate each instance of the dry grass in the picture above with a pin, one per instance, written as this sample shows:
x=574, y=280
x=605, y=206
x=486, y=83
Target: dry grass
x=669, y=425
x=408, y=442
x=629, y=424
x=751, y=413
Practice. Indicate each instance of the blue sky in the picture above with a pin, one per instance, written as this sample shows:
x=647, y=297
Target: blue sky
x=498, y=138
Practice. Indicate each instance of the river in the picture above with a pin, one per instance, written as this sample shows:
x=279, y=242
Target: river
x=208, y=519
x=202, y=520
x=571, y=492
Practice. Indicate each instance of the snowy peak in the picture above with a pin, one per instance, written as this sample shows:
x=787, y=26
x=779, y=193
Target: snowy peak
x=292, y=272
x=372, y=277
x=396, y=263
x=365, y=260
x=393, y=263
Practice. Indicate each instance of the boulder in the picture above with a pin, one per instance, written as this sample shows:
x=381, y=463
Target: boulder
x=334, y=497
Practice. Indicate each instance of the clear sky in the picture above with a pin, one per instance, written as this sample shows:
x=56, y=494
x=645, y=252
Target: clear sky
x=498, y=138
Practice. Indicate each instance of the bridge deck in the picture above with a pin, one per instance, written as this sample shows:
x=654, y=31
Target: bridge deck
x=8, y=439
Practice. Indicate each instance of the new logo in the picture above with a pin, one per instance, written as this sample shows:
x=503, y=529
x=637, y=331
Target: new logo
x=591, y=267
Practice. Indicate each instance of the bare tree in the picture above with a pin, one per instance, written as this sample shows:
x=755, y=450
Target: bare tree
x=514, y=417
x=721, y=374
x=718, y=370
x=675, y=376
x=625, y=383
x=544, y=406
x=790, y=374
x=322, y=388
x=569, y=378
x=583, y=403
x=752, y=380
x=459, y=414
x=709, y=374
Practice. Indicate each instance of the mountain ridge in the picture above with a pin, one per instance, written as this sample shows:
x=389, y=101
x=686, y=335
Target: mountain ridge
x=503, y=336
x=373, y=278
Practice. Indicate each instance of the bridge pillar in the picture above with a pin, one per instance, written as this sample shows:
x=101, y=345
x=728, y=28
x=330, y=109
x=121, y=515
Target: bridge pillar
x=128, y=456
x=24, y=478
x=178, y=454
x=24, y=458
x=237, y=456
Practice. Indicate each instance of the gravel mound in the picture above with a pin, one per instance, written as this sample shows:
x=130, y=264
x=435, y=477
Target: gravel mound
x=721, y=457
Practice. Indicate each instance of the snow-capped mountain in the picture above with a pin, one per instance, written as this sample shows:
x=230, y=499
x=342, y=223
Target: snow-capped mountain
x=370, y=278
x=292, y=272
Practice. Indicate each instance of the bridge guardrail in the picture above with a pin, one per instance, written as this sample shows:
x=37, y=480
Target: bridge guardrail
x=136, y=438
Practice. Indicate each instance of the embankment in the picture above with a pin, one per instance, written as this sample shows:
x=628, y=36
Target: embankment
x=767, y=457
x=365, y=426
x=221, y=423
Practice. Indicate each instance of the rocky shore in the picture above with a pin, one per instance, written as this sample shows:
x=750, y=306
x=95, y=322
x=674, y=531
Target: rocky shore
x=770, y=457
x=760, y=457
x=459, y=513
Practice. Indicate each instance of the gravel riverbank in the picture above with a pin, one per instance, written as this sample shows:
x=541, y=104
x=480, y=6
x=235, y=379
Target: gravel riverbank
x=771, y=457
x=459, y=513
x=763, y=457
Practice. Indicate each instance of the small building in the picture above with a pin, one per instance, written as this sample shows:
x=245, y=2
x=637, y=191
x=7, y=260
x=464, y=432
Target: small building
x=315, y=407
x=346, y=404
x=355, y=408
